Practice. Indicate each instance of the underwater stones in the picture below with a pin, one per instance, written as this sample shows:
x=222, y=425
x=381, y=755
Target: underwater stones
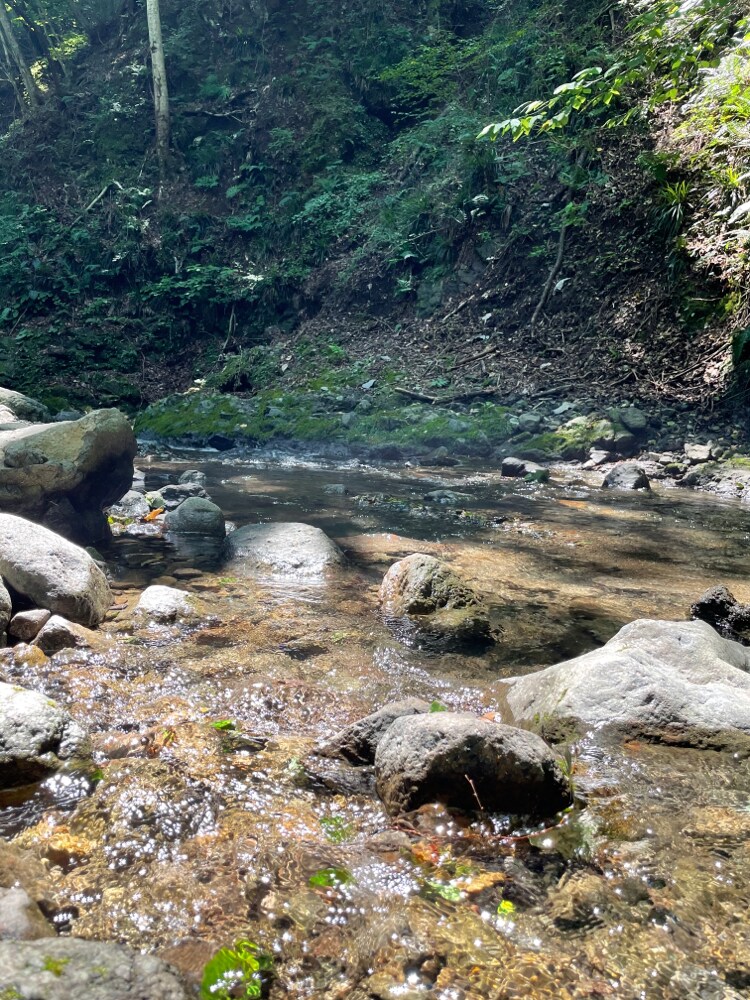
x=434, y=604
x=52, y=572
x=673, y=682
x=163, y=604
x=196, y=516
x=626, y=476
x=36, y=736
x=133, y=505
x=67, y=968
x=193, y=476
x=282, y=548
x=68, y=471
x=358, y=742
x=468, y=763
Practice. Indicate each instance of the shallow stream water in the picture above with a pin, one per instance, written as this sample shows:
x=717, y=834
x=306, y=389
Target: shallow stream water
x=190, y=837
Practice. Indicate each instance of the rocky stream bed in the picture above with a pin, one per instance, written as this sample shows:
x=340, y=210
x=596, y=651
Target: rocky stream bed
x=216, y=799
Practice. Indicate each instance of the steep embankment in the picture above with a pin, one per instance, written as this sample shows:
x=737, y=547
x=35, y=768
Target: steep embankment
x=330, y=206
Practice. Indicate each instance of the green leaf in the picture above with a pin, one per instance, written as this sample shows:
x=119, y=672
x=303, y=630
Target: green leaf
x=436, y=706
x=232, y=969
x=331, y=878
x=445, y=891
x=221, y=724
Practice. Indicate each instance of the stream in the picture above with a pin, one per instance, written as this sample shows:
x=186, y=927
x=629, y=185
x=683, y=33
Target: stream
x=209, y=821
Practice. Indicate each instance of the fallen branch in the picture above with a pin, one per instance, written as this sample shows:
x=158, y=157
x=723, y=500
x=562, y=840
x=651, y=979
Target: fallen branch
x=475, y=357
x=104, y=190
x=459, y=397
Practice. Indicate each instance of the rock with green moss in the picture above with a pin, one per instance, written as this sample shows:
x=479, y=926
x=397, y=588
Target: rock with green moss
x=423, y=601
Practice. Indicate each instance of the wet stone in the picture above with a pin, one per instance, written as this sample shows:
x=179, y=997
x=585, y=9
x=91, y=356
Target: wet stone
x=25, y=625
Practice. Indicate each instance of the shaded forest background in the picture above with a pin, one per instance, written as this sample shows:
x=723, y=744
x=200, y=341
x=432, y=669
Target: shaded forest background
x=328, y=201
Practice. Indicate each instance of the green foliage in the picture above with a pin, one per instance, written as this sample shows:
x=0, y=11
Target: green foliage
x=224, y=724
x=337, y=829
x=331, y=878
x=240, y=971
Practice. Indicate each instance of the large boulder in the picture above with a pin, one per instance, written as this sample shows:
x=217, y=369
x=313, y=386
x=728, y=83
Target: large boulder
x=36, y=736
x=674, y=682
x=65, y=473
x=71, y=968
x=52, y=572
x=196, y=516
x=468, y=763
x=22, y=407
x=423, y=600
x=286, y=549
x=358, y=742
x=6, y=607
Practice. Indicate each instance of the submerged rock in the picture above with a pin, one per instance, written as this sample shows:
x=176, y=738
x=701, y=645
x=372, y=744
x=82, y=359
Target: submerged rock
x=36, y=736
x=358, y=742
x=419, y=592
x=468, y=763
x=196, y=516
x=52, y=572
x=71, y=968
x=627, y=476
x=193, y=476
x=164, y=604
x=674, y=682
x=133, y=505
x=283, y=548
x=68, y=471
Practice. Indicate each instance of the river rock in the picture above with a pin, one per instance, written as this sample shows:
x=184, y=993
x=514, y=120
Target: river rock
x=68, y=471
x=52, y=572
x=196, y=516
x=193, y=476
x=283, y=548
x=468, y=763
x=633, y=419
x=58, y=633
x=23, y=407
x=627, y=476
x=358, y=742
x=133, y=505
x=517, y=468
x=20, y=917
x=25, y=625
x=175, y=494
x=36, y=736
x=722, y=611
x=6, y=607
x=73, y=969
x=673, y=682
x=164, y=604
x=419, y=592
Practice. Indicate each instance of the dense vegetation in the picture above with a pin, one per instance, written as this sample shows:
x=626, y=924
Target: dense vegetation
x=325, y=164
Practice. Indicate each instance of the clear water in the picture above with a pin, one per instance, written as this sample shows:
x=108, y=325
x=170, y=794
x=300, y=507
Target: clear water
x=195, y=837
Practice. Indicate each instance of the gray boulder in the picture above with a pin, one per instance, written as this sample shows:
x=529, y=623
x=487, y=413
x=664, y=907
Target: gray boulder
x=633, y=419
x=697, y=453
x=36, y=736
x=674, y=682
x=468, y=763
x=518, y=468
x=193, y=476
x=67, y=472
x=164, y=604
x=196, y=516
x=6, y=608
x=20, y=917
x=283, y=548
x=424, y=600
x=358, y=742
x=25, y=625
x=133, y=505
x=626, y=476
x=175, y=494
x=71, y=968
x=58, y=633
x=23, y=407
x=52, y=572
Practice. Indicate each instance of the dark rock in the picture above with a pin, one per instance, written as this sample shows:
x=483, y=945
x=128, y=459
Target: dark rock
x=57, y=633
x=722, y=611
x=626, y=476
x=388, y=452
x=220, y=442
x=71, y=968
x=358, y=742
x=36, y=736
x=196, y=516
x=517, y=468
x=674, y=682
x=177, y=493
x=283, y=548
x=133, y=505
x=423, y=599
x=468, y=763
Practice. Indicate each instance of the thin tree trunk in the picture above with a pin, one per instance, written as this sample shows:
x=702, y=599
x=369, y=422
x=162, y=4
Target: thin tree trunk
x=159, y=76
x=13, y=47
x=9, y=69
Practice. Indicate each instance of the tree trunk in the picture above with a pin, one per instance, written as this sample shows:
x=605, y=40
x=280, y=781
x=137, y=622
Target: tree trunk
x=17, y=56
x=159, y=76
